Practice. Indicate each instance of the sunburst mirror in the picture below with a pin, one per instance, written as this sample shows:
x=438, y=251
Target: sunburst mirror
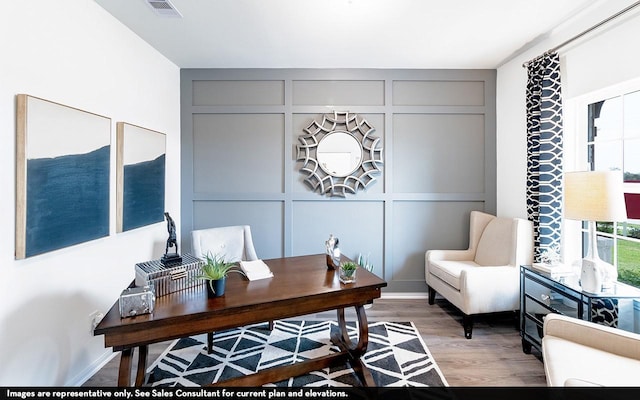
x=339, y=154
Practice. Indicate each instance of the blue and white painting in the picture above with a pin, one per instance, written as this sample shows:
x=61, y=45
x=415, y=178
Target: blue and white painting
x=67, y=154
x=141, y=155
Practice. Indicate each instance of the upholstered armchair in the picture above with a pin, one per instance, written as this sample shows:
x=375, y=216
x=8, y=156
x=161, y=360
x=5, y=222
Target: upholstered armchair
x=233, y=243
x=485, y=277
x=583, y=353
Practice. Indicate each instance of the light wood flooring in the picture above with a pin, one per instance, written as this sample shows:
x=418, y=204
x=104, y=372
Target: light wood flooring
x=493, y=357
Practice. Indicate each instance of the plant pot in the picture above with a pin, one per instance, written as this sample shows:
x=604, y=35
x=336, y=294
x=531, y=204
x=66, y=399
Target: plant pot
x=347, y=276
x=218, y=287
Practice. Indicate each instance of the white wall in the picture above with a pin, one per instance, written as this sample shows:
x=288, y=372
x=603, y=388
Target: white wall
x=73, y=52
x=605, y=57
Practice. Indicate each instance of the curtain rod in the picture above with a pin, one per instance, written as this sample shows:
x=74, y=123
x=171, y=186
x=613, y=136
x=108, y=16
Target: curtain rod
x=581, y=34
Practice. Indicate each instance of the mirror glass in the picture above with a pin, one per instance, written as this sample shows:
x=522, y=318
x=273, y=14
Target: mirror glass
x=339, y=153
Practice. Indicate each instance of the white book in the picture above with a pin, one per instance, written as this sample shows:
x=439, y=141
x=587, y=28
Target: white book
x=256, y=270
x=557, y=270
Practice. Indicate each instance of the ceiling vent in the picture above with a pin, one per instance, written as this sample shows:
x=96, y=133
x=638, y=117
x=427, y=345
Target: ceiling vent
x=164, y=8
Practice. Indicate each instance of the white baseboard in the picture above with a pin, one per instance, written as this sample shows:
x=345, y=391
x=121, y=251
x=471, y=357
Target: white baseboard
x=92, y=369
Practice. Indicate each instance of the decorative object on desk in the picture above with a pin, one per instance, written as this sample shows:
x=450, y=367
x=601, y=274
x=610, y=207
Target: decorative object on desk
x=340, y=154
x=256, y=270
x=171, y=258
x=169, y=279
x=595, y=196
x=365, y=263
x=136, y=301
x=215, y=271
x=140, y=176
x=554, y=271
x=551, y=256
x=333, y=252
x=62, y=176
x=399, y=356
x=348, y=271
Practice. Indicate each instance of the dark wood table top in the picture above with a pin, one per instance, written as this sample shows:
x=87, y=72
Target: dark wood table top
x=300, y=285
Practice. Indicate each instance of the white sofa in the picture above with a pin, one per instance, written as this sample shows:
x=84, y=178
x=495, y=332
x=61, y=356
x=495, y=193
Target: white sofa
x=484, y=278
x=582, y=353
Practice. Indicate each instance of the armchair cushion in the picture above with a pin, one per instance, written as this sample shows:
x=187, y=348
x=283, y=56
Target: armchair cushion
x=450, y=271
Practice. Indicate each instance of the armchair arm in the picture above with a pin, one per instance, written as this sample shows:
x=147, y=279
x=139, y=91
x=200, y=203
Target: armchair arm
x=450, y=255
x=605, y=338
x=489, y=289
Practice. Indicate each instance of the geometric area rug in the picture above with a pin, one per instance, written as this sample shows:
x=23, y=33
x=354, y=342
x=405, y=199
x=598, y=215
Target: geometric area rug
x=396, y=356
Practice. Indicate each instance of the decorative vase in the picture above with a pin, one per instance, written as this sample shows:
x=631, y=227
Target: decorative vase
x=218, y=287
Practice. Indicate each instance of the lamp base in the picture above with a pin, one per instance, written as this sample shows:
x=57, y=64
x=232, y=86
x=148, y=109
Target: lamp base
x=597, y=275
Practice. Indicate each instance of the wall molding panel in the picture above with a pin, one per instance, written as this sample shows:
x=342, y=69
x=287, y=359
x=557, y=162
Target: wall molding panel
x=238, y=145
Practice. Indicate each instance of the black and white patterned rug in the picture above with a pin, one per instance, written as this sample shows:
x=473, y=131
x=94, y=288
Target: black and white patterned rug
x=396, y=355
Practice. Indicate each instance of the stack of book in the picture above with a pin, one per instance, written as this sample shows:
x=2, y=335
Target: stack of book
x=555, y=271
x=256, y=270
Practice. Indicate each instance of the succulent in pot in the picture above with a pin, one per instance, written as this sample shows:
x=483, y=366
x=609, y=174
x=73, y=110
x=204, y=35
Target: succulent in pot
x=215, y=270
x=348, y=272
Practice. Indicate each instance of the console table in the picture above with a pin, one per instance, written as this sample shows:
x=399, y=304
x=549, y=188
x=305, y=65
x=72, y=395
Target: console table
x=541, y=293
x=300, y=285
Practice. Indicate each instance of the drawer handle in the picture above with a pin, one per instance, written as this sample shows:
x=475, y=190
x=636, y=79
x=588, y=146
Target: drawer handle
x=545, y=297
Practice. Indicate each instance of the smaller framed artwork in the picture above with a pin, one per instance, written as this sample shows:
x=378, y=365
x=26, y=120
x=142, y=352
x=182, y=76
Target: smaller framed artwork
x=140, y=176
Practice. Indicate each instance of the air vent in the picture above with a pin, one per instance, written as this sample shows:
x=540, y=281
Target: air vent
x=164, y=8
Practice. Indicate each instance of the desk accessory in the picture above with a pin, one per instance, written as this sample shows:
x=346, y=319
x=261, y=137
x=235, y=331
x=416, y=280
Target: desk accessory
x=174, y=258
x=168, y=279
x=136, y=301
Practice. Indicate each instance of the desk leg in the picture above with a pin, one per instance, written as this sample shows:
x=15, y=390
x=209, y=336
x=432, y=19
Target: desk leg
x=124, y=373
x=355, y=351
x=143, y=351
x=126, y=358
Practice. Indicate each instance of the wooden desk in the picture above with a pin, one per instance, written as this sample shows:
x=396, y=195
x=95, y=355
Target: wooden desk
x=300, y=285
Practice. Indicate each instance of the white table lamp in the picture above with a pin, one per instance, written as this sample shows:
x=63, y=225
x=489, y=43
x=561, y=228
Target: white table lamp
x=595, y=196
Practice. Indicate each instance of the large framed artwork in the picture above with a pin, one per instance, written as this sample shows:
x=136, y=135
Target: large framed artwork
x=140, y=176
x=62, y=176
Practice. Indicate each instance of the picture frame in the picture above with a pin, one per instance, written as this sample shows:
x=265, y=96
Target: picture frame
x=63, y=169
x=140, y=176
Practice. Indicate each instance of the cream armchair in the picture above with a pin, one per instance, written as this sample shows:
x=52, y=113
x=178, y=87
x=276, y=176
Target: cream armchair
x=485, y=277
x=233, y=242
x=582, y=353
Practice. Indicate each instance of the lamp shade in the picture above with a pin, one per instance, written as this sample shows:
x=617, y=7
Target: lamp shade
x=594, y=196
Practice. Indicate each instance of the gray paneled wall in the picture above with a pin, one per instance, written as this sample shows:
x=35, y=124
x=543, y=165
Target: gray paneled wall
x=239, y=133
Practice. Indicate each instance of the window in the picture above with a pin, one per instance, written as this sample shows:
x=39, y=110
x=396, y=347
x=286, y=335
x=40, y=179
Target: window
x=613, y=143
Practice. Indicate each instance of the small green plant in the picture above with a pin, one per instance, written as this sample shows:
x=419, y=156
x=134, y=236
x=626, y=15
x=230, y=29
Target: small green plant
x=216, y=268
x=348, y=268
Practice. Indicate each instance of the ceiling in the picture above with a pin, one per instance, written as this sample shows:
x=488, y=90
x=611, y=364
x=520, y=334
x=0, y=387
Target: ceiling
x=421, y=34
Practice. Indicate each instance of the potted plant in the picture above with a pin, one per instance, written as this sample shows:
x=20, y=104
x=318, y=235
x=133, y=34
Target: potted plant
x=348, y=272
x=215, y=271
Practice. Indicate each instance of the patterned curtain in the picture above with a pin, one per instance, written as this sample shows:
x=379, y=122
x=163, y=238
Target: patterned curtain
x=544, y=152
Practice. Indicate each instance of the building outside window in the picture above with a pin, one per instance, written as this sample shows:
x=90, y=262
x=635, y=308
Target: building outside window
x=613, y=143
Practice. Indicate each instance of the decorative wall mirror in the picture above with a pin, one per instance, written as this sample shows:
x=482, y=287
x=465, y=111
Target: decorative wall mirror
x=340, y=154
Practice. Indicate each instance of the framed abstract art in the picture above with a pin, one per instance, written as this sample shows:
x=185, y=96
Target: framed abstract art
x=140, y=176
x=62, y=176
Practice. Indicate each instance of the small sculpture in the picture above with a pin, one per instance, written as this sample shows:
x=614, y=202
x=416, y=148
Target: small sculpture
x=171, y=258
x=333, y=252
